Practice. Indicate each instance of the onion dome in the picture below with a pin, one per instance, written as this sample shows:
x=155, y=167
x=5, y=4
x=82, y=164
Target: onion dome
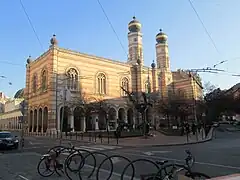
x=161, y=37
x=134, y=25
x=29, y=60
x=54, y=41
x=153, y=65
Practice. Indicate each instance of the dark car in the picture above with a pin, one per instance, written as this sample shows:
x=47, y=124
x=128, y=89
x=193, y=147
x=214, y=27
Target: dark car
x=8, y=140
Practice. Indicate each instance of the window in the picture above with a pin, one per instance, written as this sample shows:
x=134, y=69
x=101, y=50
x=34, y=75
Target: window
x=72, y=81
x=101, y=83
x=34, y=85
x=148, y=86
x=44, y=80
x=125, y=85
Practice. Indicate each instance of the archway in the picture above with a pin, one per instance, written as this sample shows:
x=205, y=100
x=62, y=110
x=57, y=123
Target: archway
x=102, y=124
x=78, y=118
x=64, y=118
x=112, y=118
x=112, y=114
x=121, y=115
x=30, y=121
x=45, y=119
x=130, y=116
x=35, y=121
x=40, y=120
x=89, y=120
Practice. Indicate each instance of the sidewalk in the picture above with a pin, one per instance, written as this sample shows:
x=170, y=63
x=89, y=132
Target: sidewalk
x=158, y=140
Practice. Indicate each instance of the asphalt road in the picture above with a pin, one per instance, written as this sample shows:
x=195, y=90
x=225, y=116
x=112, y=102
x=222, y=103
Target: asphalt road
x=215, y=158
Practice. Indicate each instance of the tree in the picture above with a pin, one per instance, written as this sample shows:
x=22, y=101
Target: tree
x=208, y=87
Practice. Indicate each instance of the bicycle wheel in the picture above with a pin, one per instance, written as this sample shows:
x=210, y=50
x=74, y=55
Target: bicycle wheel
x=45, y=162
x=199, y=176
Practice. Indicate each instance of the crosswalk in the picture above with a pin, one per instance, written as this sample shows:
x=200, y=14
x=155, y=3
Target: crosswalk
x=93, y=148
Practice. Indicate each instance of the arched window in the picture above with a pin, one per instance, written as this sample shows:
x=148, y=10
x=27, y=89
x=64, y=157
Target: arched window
x=44, y=80
x=72, y=81
x=125, y=85
x=34, y=83
x=147, y=86
x=101, y=83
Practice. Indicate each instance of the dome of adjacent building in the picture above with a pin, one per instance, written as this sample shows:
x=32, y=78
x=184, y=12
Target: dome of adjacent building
x=19, y=94
x=161, y=37
x=134, y=25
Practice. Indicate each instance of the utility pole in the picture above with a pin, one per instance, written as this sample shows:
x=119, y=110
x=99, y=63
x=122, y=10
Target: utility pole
x=62, y=118
x=23, y=105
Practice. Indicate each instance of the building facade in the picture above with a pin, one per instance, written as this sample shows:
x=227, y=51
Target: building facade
x=87, y=78
x=12, y=115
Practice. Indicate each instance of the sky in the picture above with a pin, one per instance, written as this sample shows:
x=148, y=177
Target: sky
x=82, y=26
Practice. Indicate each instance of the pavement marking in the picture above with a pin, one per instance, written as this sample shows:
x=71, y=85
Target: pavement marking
x=22, y=177
x=36, y=147
x=93, y=148
x=171, y=159
x=114, y=173
x=30, y=142
x=150, y=153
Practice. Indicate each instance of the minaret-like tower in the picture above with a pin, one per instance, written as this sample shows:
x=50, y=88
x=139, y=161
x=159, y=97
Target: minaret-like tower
x=135, y=47
x=163, y=65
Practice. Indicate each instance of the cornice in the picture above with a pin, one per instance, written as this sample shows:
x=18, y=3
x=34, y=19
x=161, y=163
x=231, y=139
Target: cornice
x=40, y=57
x=71, y=52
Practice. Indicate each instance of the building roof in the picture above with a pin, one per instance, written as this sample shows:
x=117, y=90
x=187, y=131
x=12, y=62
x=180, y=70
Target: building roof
x=19, y=94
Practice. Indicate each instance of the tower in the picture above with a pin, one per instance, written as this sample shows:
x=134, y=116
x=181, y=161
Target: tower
x=163, y=65
x=135, y=47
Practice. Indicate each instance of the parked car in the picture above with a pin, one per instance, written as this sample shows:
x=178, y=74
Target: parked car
x=8, y=140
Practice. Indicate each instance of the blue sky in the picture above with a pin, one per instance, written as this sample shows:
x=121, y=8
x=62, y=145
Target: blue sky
x=81, y=25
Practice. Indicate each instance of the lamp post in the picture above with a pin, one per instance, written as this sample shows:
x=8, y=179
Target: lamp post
x=23, y=106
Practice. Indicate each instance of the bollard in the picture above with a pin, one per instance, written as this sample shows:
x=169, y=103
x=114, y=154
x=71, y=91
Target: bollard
x=82, y=136
x=95, y=137
x=108, y=138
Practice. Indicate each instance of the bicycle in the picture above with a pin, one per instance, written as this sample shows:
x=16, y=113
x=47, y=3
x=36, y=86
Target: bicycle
x=51, y=160
x=177, y=168
x=189, y=162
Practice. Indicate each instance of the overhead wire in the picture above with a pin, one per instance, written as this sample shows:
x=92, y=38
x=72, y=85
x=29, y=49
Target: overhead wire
x=31, y=24
x=111, y=25
x=207, y=32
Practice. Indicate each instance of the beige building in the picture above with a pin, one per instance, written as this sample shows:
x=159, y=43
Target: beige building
x=12, y=115
x=89, y=78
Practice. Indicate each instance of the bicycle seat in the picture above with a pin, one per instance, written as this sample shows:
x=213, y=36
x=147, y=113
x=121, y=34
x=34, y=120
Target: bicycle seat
x=46, y=155
x=162, y=162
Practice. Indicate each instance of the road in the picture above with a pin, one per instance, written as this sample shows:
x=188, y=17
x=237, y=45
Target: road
x=214, y=158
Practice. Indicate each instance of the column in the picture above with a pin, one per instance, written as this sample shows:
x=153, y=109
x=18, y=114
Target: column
x=37, y=121
x=95, y=120
x=42, y=120
x=134, y=121
x=71, y=117
x=83, y=124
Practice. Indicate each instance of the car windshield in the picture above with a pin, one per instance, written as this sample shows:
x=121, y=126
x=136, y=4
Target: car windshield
x=5, y=135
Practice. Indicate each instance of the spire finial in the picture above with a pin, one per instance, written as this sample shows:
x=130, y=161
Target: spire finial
x=160, y=30
x=134, y=17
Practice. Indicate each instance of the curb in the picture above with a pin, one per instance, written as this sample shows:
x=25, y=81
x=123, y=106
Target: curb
x=209, y=138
